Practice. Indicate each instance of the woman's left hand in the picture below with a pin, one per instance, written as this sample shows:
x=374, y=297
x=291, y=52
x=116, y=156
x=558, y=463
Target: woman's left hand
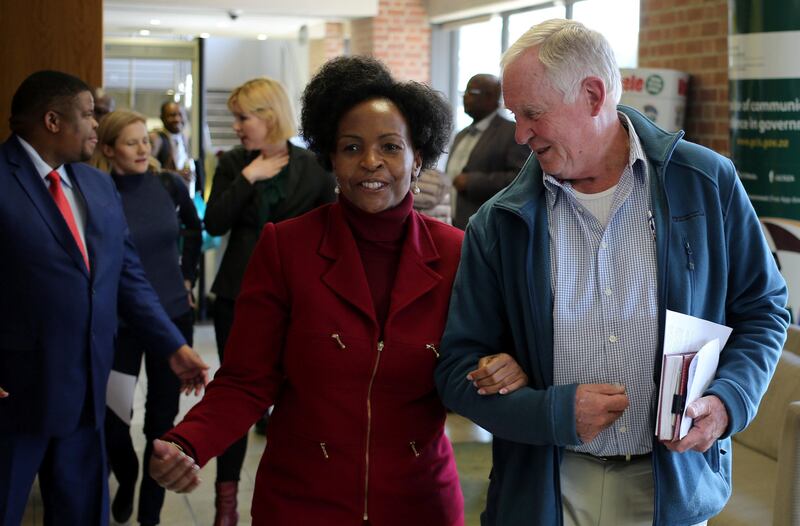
x=498, y=373
x=190, y=294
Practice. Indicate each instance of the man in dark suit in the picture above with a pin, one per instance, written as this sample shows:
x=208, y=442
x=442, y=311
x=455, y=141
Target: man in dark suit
x=68, y=266
x=484, y=157
x=171, y=147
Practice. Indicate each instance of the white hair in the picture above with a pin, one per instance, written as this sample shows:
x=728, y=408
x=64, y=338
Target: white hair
x=570, y=52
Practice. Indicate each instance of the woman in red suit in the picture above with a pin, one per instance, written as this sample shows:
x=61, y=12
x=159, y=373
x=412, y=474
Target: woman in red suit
x=338, y=324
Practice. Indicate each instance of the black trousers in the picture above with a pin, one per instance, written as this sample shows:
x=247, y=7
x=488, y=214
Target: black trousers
x=161, y=406
x=229, y=464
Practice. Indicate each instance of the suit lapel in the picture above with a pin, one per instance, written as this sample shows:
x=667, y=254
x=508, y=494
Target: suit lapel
x=91, y=234
x=484, y=144
x=414, y=276
x=459, y=136
x=346, y=276
x=292, y=181
x=25, y=173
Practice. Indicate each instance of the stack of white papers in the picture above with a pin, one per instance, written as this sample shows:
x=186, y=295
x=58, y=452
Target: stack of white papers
x=691, y=355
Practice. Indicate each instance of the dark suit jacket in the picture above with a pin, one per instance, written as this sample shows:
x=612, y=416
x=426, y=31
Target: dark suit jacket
x=493, y=164
x=164, y=152
x=233, y=206
x=58, y=321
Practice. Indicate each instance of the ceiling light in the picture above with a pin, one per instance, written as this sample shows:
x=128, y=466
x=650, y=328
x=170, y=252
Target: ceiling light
x=205, y=35
x=144, y=32
x=262, y=36
x=155, y=22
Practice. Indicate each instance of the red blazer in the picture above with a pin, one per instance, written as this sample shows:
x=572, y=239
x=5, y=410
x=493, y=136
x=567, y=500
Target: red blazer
x=358, y=429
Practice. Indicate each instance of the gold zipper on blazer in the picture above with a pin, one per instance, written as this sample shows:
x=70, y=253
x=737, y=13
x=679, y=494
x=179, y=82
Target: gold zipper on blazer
x=413, y=445
x=432, y=347
x=323, y=447
x=369, y=427
x=338, y=340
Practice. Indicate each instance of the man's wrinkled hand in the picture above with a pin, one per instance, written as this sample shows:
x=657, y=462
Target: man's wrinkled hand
x=597, y=406
x=498, y=373
x=172, y=469
x=190, y=369
x=710, y=422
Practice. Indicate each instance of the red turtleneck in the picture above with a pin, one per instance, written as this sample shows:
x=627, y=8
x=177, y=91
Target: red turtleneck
x=379, y=238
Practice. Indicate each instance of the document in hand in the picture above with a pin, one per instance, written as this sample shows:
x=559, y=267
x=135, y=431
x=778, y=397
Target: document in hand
x=691, y=355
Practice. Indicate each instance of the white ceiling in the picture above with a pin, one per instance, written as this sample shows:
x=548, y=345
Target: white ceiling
x=240, y=18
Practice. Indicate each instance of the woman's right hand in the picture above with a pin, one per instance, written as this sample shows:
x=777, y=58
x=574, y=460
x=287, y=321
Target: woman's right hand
x=498, y=373
x=262, y=168
x=172, y=469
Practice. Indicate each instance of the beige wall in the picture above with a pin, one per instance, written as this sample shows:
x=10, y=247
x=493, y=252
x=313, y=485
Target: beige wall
x=39, y=34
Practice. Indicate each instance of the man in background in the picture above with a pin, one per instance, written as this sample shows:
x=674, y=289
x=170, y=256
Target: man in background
x=103, y=103
x=68, y=268
x=170, y=145
x=484, y=157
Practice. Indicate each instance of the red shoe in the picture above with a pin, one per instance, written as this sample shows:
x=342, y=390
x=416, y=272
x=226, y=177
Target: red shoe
x=225, y=504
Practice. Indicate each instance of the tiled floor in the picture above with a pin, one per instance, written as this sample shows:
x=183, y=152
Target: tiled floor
x=471, y=443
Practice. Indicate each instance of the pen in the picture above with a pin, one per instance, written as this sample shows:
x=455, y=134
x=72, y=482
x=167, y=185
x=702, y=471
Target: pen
x=652, y=222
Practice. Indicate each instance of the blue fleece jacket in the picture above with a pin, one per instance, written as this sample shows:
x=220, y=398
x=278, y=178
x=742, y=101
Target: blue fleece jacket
x=713, y=263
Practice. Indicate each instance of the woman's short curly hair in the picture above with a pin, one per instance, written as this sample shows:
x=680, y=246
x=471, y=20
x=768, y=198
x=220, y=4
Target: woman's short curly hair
x=345, y=82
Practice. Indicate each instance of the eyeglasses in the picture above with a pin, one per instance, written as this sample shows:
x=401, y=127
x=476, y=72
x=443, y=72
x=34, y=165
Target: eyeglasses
x=473, y=91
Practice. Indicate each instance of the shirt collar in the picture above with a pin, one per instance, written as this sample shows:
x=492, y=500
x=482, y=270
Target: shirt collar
x=636, y=154
x=482, y=124
x=42, y=168
x=635, y=147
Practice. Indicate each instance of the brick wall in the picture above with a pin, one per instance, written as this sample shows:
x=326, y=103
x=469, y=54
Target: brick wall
x=400, y=36
x=331, y=45
x=692, y=36
x=334, y=39
x=361, y=36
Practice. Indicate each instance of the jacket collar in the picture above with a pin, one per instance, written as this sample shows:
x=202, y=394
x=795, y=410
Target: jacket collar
x=528, y=186
x=346, y=276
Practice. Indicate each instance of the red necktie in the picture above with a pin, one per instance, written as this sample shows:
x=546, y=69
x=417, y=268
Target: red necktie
x=63, y=205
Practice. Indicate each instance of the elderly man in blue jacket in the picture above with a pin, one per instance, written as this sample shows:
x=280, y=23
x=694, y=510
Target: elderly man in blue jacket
x=611, y=222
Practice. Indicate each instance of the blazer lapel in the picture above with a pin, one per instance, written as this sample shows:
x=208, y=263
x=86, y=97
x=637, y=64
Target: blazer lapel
x=293, y=176
x=346, y=276
x=485, y=142
x=414, y=275
x=459, y=136
x=25, y=173
x=91, y=233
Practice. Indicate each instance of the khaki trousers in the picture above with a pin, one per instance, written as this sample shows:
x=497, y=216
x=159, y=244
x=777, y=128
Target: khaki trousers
x=596, y=492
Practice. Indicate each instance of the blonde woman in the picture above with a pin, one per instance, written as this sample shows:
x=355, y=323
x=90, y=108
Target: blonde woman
x=266, y=179
x=149, y=199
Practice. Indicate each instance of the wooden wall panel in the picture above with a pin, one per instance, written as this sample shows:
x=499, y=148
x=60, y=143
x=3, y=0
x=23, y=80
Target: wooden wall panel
x=66, y=35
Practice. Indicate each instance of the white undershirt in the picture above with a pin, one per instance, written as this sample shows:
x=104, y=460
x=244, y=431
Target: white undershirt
x=599, y=204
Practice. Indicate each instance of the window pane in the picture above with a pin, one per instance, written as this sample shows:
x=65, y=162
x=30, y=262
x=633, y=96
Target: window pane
x=618, y=21
x=518, y=23
x=478, y=52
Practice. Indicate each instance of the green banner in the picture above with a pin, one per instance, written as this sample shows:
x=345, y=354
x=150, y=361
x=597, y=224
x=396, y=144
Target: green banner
x=765, y=103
